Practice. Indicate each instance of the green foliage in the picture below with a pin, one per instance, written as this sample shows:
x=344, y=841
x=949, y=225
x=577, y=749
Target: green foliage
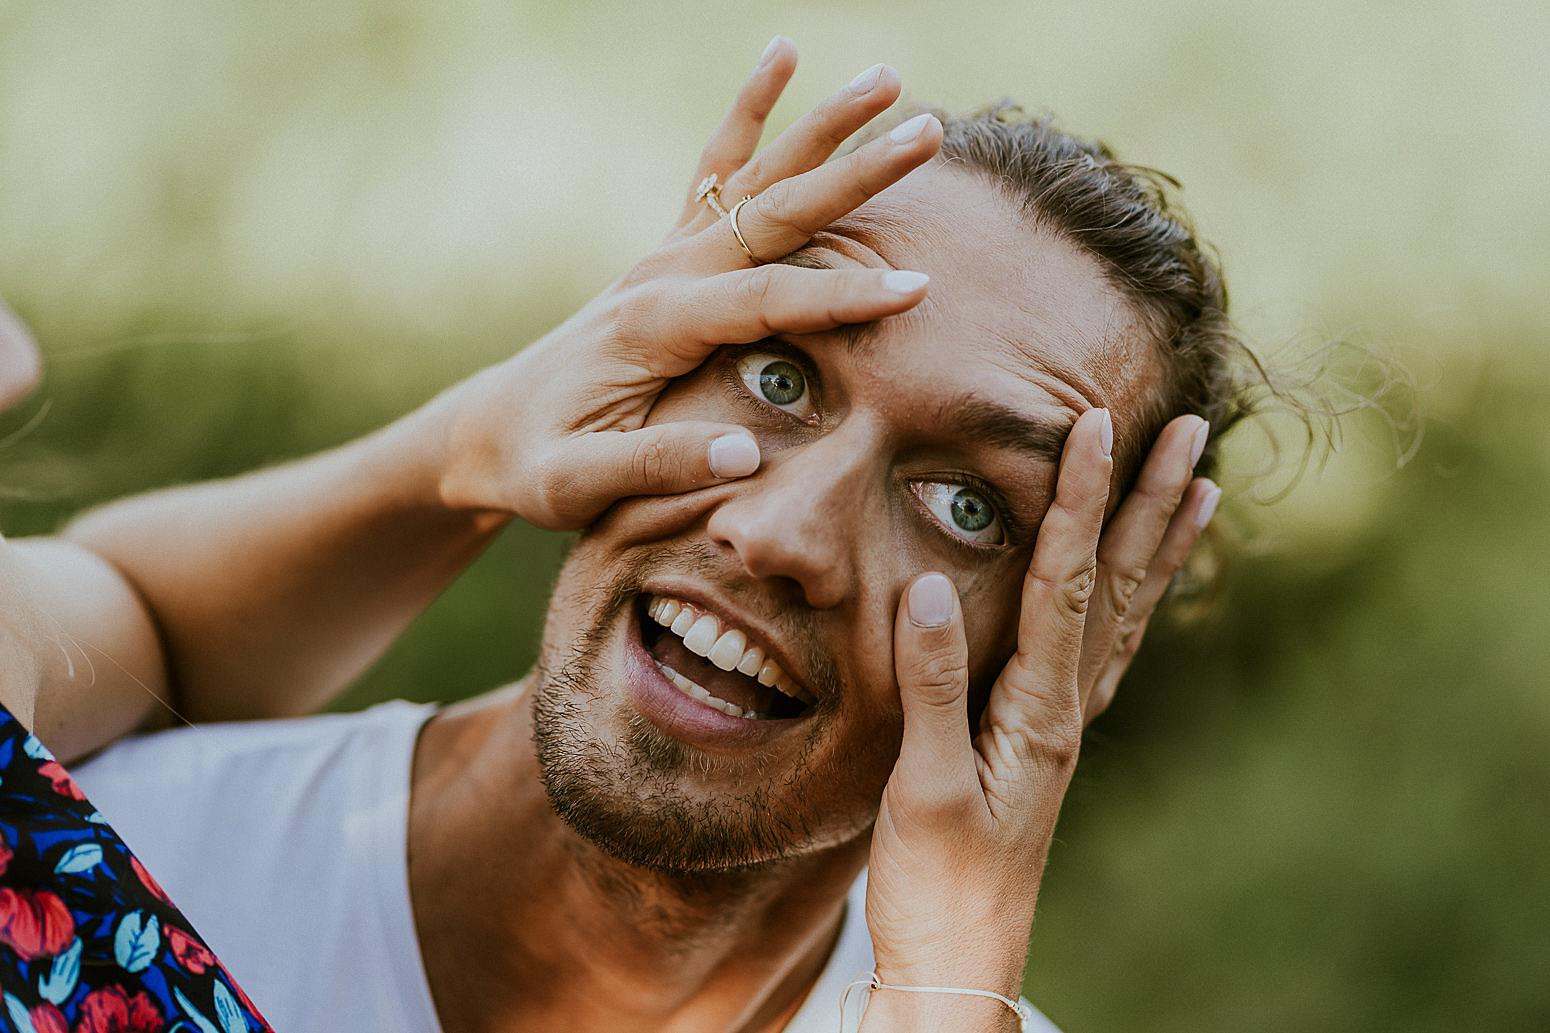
x=244, y=234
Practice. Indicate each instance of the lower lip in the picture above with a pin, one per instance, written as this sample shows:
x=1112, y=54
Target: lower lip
x=683, y=717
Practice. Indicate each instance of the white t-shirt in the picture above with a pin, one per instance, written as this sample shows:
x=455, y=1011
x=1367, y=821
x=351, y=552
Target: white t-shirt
x=285, y=844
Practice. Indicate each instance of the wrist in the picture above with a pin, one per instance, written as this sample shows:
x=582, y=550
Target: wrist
x=893, y=1011
x=422, y=453
x=984, y=948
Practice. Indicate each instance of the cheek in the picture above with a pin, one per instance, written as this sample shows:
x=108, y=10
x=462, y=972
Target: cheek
x=991, y=603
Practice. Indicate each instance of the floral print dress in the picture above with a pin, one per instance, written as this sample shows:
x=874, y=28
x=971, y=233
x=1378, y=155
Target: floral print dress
x=89, y=943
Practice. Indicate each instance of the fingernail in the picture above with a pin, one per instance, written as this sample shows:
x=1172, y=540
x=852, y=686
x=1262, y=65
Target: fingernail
x=931, y=601
x=902, y=281
x=1200, y=443
x=1106, y=433
x=904, y=132
x=734, y=455
x=769, y=49
x=1208, y=507
x=864, y=81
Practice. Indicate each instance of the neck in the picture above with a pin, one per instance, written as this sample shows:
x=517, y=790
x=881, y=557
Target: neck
x=525, y=925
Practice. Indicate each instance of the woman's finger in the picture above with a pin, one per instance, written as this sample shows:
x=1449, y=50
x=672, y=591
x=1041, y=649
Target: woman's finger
x=1108, y=681
x=596, y=469
x=813, y=138
x=931, y=665
x=1184, y=530
x=736, y=138
x=785, y=216
x=1133, y=534
x=686, y=320
x=1036, y=697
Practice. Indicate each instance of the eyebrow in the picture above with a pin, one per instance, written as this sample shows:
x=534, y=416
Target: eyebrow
x=1004, y=427
x=991, y=422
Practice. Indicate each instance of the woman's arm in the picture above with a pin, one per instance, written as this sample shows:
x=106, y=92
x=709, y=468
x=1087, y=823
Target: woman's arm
x=272, y=591
x=80, y=663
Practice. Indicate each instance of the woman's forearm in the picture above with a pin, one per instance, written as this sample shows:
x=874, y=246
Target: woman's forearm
x=272, y=591
x=80, y=663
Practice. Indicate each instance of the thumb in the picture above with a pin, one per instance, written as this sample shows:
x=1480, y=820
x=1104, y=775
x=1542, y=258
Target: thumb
x=597, y=469
x=931, y=664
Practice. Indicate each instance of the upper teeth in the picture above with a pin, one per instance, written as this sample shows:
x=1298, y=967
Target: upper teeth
x=727, y=647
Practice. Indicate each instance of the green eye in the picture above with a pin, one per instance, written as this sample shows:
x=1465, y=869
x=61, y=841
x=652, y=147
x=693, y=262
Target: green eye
x=777, y=381
x=970, y=510
x=782, y=383
x=964, y=511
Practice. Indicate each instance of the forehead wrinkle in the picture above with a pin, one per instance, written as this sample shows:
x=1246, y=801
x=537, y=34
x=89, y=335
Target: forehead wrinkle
x=1024, y=357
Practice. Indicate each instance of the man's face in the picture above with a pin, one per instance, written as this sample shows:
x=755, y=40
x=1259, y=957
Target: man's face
x=928, y=441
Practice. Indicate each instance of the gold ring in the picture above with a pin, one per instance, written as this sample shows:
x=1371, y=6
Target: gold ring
x=709, y=193
x=732, y=219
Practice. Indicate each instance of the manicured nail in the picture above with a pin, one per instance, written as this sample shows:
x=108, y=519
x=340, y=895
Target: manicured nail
x=1106, y=433
x=864, y=81
x=902, y=281
x=1208, y=507
x=1199, y=444
x=931, y=601
x=904, y=132
x=769, y=49
x=734, y=455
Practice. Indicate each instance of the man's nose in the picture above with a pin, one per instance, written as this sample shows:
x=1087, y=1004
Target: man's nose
x=802, y=517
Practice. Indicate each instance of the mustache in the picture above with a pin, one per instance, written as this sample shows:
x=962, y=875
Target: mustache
x=795, y=625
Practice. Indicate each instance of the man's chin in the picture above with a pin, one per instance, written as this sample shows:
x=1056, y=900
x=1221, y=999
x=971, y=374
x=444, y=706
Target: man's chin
x=642, y=797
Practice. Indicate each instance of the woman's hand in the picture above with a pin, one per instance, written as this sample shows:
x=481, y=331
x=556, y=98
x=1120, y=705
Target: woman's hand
x=967, y=816
x=556, y=434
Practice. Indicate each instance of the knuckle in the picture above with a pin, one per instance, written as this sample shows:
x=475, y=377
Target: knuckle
x=778, y=208
x=937, y=676
x=748, y=178
x=1163, y=497
x=1060, y=741
x=551, y=498
x=649, y=268
x=1076, y=591
x=1128, y=640
x=1122, y=583
x=755, y=287
x=630, y=316
x=653, y=465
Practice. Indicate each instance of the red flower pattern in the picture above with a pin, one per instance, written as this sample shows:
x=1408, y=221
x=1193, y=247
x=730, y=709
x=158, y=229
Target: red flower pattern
x=5, y=855
x=63, y=784
x=191, y=954
x=111, y=1010
x=48, y=1019
x=34, y=923
x=150, y=883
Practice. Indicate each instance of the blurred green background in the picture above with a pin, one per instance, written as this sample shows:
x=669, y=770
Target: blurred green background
x=243, y=232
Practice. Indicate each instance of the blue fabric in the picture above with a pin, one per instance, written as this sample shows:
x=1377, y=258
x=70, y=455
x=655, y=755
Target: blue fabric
x=89, y=943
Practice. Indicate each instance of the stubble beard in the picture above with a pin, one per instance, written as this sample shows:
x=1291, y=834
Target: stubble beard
x=629, y=796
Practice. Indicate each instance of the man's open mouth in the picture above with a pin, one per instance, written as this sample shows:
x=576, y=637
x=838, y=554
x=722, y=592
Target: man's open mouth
x=722, y=666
